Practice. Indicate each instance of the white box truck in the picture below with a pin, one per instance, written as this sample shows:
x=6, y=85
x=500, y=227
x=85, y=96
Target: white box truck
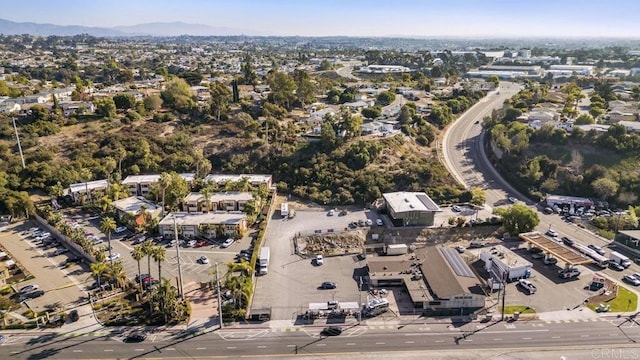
x=284, y=210
x=397, y=249
x=263, y=260
x=620, y=259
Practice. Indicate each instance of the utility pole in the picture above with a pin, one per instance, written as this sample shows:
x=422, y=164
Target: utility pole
x=219, y=296
x=504, y=291
x=162, y=213
x=19, y=146
x=175, y=229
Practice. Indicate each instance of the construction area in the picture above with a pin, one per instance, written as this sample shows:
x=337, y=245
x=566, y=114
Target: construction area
x=328, y=244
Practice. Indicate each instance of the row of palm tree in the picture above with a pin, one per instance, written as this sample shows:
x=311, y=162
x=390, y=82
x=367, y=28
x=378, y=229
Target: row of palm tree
x=151, y=251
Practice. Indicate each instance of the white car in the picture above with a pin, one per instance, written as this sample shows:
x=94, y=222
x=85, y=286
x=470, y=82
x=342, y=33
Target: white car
x=203, y=260
x=369, y=222
x=319, y=260
x=460, y=249
x=120, y=229
x=456, y=208
x=379, y=222
x=631, y=280
x=113, y=256
x=552, y=233
x=331, y=212
x=227, y=243
x=528, y=286
x=28, y=289
x=513, y=200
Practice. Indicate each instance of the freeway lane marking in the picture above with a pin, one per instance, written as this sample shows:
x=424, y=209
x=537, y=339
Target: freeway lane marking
x=231, y=347
x=555, y=337
x=108, y=350
x=613, y=334
x=497, y=339
x=201, y=348
x=527, y=338
x=288, y=346
x=321, y=344
x=261, y=347
x=350, y=344
x=77, y=351
x=439, y=341
x=170, y=349
x=380, y=343
x=139, y=349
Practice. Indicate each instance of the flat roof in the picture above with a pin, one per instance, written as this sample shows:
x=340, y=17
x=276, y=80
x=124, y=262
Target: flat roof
x=153, y=178
x=410, y=201
x=220, y=196
x=90, y=185
x=509, y=258
x=631, y=233
x=133, y=204
x=197, y=218
x=253, y=178
x=399, y=268
x=558, y=250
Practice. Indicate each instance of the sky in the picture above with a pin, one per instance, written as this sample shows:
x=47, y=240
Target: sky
x=428, y=18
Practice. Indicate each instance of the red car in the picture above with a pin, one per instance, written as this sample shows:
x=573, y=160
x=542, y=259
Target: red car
x=202, y=243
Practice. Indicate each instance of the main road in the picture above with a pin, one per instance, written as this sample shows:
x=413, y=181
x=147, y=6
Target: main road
x=410, y=341
x=467, y=161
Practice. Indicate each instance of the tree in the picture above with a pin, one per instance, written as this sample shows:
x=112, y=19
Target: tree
x=105, y=107
x=371, y=112
x=178, y=95
x=137, y=254
x=124, y=101
x=584, y=120
x=117, y=274
x=385, y=98
x=147, y=249
x=220, y=98
x=152, y=103
x=605, y=187
x=175, y=189
x=248, y=71
x=328, y=136
x=159, y=254
x=98, y=269
x=282, y=89
x=494, y=80
x=478, y=196
x=518, y=219
x=305, y=88
x=107, y=225
x=192, y=77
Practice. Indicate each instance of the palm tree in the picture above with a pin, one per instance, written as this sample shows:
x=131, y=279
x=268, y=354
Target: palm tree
x=167, y=299
x=107, y=225
x=206, y=192
x=117, y=274
x=137, y=254
x=98, y=269
x=147, y=249
x=159, y=255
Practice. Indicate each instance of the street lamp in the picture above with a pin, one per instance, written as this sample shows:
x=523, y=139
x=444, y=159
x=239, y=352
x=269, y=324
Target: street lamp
x=175, y=230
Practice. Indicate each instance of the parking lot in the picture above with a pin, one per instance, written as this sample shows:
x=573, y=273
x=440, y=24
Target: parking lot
x=63, y=287
x=292, y=282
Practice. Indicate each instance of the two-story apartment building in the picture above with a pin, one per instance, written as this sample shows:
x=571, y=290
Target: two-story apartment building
x=224, y=201
x=129, y=211
x=140, y=185
x=79, y=191
x=253, y=179
x=197, y=224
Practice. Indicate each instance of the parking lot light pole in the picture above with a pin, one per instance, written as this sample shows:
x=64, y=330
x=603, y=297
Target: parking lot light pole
x=219, y=296
x=175, y=230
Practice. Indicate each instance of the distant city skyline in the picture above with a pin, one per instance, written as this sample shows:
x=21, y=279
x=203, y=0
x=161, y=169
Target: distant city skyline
x=419, y=18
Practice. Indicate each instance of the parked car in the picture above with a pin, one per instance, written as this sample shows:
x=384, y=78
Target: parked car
x=331, y=212
x=113, y=256
x=361, y=222
x=513, y=200
x=32, y=295
x=141, y=277
x=60, y=251
x=538, y=255
x=227, y=243
x=120, y=229
x=631, y=280
x=342, y=213
x=328, y=285
x=552, y=233
x=369, y=222
x=535, y=250
x=203, y=260
x=456, y=208
x=550, y=260
x=319, y=260
x=569, y=273
x=202, y=243
x=597, y=249
x=379, y=222
x=460, y=249
x=475, y=245
x=567, y=241
x=73, y=316
x=28, y=289
x=548, y=210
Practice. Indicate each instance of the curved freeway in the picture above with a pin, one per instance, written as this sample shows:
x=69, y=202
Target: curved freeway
x=466, y=160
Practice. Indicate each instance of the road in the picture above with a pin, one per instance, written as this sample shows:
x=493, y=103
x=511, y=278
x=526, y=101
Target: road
x=423, y=339
x=466, y=160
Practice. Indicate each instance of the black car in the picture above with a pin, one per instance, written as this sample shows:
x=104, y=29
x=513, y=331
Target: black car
x=141, y=277
x=615, y=266
x=73, y=316
x=32, y=295
x=328, y=285
x=331, y=331
x=567, y=241
x=135, y=337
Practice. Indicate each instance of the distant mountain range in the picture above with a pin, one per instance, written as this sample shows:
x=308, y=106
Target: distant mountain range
x=151, y=29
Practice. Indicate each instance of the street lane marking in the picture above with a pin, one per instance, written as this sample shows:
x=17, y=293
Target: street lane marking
x=439, y=340
x=497, y=339
x=584, y=336
x=287, y=346
x=201, y=348
x=380, y=343
x=527, y=338
x=108, y=349
x=409, y=342
x=170, y=349
x=321, y=344
x=261, y=347
x=139, y=349
x=555, y=337
x=350, y=344
x=613, y=334
x=231, y=347
x=77, y=351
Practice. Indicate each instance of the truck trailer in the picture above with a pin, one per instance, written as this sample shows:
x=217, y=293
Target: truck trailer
x=397, y=249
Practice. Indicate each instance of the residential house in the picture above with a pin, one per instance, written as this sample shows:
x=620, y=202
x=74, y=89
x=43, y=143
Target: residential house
x=8, y=107
x=129, y=211
x=209, y=225
x=411, y=208
x=91, y=189
x=253, y=179
x=631, y=126
x=222, y=201
x=77, y=107
x=4, y=275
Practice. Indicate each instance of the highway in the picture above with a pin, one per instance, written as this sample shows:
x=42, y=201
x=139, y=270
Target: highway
x=467, y=161
x=424, y=339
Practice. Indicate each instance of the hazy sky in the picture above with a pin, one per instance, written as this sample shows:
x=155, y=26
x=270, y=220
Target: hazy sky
x=558, y=18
